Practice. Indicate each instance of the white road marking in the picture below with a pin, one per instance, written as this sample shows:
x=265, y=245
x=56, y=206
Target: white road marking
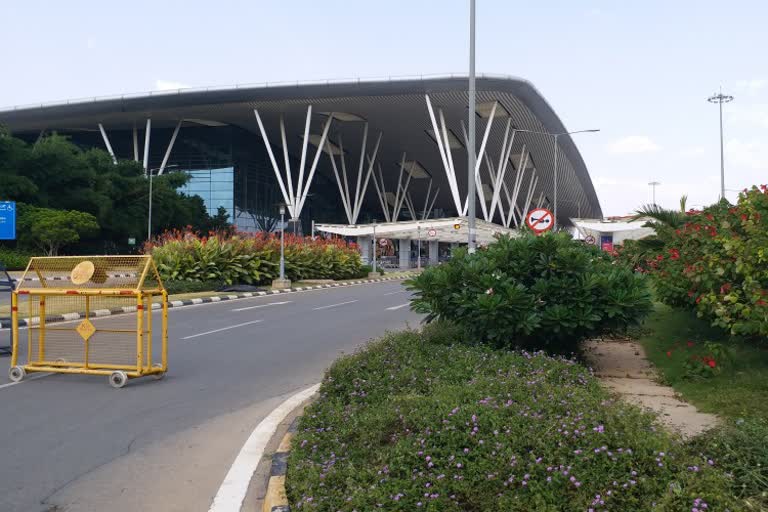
x=26, y=379
x=398, y=291
x=334, y=305
x=222, y=329
x=264, y=305
x=398, y=307
x=233, y=489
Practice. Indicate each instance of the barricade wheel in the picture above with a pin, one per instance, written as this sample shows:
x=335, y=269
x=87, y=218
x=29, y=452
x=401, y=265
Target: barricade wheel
x=158, y=376
x=118, y=379
x=16, y=374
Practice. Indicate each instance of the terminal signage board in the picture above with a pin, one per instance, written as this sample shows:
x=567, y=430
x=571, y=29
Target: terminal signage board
x=606, y=242
x=7, y=220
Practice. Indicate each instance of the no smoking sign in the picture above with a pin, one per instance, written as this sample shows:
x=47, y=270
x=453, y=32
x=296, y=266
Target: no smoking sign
x=540, y=220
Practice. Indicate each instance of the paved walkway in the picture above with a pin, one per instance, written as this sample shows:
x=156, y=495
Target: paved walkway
x=622, y=367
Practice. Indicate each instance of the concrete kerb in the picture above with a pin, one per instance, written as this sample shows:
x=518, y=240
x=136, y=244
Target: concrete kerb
x=266, y=491
x=5, y=323
x=275, y=497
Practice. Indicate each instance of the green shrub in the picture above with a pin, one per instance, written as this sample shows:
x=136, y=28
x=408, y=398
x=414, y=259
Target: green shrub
x=419, y=422
x=14, y=259
x=542, y=292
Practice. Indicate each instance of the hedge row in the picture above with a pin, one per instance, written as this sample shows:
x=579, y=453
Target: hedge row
x=233, y=258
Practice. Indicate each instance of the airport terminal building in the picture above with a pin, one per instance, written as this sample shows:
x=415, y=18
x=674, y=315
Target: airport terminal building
x=342, y=154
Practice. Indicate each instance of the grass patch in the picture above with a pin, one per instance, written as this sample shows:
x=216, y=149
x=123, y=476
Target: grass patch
x=418, y=422
x=738, y=391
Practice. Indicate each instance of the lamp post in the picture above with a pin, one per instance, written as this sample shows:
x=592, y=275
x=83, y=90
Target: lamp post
x=471, y=149
x=149, y=214
x=282, y=242
x=375, y=246
x=721, y=98
x=555, y=136
x=418, y=247
x=653, y=185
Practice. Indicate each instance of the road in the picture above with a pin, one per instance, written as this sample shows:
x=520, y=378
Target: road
x=71, y=443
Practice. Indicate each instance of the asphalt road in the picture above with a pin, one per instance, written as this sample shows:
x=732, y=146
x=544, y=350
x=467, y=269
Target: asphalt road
x=72, y=443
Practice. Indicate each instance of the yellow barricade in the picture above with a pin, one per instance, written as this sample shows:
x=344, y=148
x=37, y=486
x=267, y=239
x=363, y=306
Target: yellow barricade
x=90, y=315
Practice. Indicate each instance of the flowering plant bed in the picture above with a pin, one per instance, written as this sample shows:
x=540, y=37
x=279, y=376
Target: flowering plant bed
x=252, y=258
x=417, y=421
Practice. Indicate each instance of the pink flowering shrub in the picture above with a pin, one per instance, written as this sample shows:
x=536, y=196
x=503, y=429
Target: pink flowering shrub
x=421, y=422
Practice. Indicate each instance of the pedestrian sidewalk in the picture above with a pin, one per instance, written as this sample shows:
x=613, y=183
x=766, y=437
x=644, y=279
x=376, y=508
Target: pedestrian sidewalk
x=621, y=365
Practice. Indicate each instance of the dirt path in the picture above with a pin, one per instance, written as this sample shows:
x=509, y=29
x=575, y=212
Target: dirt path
x=622, y=367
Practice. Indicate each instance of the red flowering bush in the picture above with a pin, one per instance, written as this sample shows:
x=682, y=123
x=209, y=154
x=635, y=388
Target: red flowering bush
x=231, y=257
x=717, y=264
x=701, y=360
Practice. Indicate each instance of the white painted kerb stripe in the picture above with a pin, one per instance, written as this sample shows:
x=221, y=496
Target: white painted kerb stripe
x=235, y=485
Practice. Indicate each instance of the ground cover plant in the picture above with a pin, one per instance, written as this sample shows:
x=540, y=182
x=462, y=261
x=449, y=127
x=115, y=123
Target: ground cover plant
x=544, y=292
x=235, y=258
x=418, y=421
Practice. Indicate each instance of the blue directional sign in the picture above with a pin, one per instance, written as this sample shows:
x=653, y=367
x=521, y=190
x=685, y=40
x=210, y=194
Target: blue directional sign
x=7, y=220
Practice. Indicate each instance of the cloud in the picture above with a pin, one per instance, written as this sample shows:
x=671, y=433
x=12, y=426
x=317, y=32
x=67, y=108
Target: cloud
x=747, y=154
x=693, y=151
x=754, y=113
x=169, y=85
x=634, y=144
x=752, y=86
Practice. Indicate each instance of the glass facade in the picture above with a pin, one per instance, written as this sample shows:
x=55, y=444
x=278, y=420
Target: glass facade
x=229, y=167
x=215, y=186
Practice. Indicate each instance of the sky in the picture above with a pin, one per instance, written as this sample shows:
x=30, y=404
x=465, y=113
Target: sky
x=639, y=70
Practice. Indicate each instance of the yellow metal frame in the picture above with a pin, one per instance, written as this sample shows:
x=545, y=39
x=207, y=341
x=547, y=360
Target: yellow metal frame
x=143, y=332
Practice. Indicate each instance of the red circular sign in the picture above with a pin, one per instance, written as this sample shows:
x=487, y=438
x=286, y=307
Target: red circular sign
x=432, y=232
x=540, y=220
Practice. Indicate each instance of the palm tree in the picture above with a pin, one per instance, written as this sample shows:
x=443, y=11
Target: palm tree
x=660, y=220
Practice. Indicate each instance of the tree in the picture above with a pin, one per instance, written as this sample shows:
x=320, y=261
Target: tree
x=55, y=173
x=220, y=221
x=50, y=230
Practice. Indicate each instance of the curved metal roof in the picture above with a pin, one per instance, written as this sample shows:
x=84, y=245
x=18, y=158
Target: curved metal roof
x=397, y=108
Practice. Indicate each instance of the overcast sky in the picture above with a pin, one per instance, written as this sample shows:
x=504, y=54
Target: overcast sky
x=640, y=70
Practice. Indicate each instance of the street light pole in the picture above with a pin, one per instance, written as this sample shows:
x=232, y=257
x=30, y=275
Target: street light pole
x=653, y=185
x=282, y=242
x=471, y=149
x=149, y=215
x=555, y=136
x=418, y=247
x=721, y=98
x=375, y=246
x=554, y=215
